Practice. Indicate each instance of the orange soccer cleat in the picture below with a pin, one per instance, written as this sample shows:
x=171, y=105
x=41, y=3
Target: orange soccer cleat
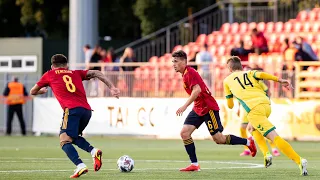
x=191, y=168
x=97, y=159
x=252, y=147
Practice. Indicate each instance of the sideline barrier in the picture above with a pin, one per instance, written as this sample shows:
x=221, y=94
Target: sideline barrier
x=156, y=117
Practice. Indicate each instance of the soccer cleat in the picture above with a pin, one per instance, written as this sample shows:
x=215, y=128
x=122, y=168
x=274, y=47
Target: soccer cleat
x=303, y=167
x=275, y=152
x=252, y=147
x=268, y=160
x=79, y=171
x=97, y=160
x=191, y=168
x=245, y=153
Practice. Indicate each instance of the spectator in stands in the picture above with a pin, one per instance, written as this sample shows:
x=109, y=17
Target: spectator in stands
x=104, y=57
x=87, y=54
x=259, y=42
x=288, y=69
x=96, y=57
x=241, y=52
x=288, y=72
x=128, y=57
x=93, y=84
x=305, y=51
x=192, y=58
x=111, y=55
x=204, y=56
x=285, y=45
x=290, y=53
x=111, y=58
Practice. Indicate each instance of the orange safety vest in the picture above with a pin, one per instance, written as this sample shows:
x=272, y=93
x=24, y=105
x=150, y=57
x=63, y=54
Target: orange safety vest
x=16, y=95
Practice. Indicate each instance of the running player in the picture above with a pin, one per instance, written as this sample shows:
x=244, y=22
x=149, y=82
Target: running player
x=245, y=87
x=205, y=110
x=68, y=89
x=244, y=122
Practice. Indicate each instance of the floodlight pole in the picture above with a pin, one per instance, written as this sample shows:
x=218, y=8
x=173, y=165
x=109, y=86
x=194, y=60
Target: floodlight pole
x=83, y=28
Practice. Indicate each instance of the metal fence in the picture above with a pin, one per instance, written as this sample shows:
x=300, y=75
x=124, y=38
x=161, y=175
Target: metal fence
x=153, y=80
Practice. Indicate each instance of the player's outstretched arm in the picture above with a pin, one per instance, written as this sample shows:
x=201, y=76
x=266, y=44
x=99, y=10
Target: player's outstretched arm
x=194, y=94
x=36, y=90
x=267, y=76
x=98, y=74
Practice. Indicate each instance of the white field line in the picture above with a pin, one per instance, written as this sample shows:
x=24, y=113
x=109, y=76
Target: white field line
x=15, y=159
x=242, y=165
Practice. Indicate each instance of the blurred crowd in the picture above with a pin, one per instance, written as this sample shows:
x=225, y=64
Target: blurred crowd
x=100, y=55
x=297, y=49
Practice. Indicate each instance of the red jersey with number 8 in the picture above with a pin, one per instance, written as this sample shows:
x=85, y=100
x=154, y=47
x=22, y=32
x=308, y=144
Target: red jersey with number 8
x=204, y=101
x=67, y=87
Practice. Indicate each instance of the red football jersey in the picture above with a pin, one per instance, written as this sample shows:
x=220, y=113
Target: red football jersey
x=67, y=87
x=204, y=101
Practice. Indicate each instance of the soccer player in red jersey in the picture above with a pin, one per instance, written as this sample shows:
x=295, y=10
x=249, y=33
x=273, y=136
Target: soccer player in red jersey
x=68, y=88
x=205, y=110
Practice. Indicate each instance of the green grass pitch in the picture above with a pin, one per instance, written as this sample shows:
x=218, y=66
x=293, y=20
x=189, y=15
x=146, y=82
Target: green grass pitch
x=42, y=158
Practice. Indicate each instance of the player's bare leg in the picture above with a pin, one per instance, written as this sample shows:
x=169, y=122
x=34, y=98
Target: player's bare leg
x=286, y=149
x=243, y=134
x=67, y=147
x=185, y=134
x=219, y=138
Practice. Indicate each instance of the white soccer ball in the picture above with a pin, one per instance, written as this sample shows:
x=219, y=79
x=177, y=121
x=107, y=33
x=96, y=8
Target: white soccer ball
x=125, y=163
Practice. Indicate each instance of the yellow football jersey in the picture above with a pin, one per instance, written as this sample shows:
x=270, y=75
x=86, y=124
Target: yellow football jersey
x=246, y=88
x=263, y=85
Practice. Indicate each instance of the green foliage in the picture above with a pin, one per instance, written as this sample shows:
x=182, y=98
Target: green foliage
x=308, y=4
x=116, y=19
x=9, y=19
x=41, y=18
x=154, y=14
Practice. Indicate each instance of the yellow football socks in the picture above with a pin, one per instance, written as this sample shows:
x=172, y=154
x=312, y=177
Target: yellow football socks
x=286, y=149
x=272, y=145
x=243, y=134
x=261, y=142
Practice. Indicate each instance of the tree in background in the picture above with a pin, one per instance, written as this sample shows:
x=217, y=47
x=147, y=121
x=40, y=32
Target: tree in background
x=126, y=19
x=43, y=18
x=155, y=14
x=116, y=19
x=9, y=19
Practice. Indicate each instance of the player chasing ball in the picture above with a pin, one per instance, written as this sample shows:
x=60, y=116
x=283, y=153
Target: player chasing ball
x=205, y=110
x=244, y=85
x=68, y=89
x=244, y=123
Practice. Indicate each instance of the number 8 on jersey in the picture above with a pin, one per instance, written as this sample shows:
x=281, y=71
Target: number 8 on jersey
x=69, y=85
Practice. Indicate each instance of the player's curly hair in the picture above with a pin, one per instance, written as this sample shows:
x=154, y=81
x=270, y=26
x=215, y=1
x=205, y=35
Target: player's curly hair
x=234, y=63
x=179, y=54
x=59, y=60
